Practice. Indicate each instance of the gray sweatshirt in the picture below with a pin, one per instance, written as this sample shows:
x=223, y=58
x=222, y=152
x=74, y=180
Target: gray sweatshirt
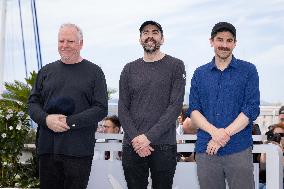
x=150, y=99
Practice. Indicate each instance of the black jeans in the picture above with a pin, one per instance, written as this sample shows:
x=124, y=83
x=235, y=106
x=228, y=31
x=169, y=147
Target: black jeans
x=64, y=172
x=162, y=164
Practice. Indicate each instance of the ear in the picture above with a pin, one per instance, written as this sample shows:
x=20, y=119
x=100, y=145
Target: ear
x=211, y=41
x=81, y=42
x=116, y=129
x=162, y=41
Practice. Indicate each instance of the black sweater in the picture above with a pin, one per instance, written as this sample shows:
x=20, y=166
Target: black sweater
x=84, y=83
x=150, y=99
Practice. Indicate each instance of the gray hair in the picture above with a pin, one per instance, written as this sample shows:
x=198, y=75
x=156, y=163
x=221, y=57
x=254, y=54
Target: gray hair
x=78, y=29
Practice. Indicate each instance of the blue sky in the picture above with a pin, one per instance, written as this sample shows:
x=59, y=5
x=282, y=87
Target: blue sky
x=110, y=29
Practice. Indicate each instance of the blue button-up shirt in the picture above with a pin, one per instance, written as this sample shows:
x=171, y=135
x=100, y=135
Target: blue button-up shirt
x=220, y=96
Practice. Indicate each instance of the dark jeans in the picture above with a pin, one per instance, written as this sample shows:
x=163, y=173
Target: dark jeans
x=162, y=164
x=64, y=172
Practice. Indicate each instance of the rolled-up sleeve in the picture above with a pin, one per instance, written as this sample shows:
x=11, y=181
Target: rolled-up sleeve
x=252, y=95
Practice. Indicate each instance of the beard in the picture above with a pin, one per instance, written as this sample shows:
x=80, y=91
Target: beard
x=151, y=48
x=65, y=58
x=69, y=57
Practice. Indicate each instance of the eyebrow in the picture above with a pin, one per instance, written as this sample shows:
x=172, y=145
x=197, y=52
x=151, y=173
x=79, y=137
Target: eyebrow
x=156, y=30
x=226, y=39
x=106, y=125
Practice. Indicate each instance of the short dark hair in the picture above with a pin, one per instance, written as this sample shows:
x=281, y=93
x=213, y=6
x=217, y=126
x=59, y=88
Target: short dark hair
x=223, y=26
x=281, y=110
x=183, y=112
x=151, y=22
x=114, y=119
x=279, y=125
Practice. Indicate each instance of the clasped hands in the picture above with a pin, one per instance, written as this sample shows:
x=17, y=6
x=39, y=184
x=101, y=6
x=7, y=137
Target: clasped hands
x=141, y=145
x=220, y=137
x=57, y=123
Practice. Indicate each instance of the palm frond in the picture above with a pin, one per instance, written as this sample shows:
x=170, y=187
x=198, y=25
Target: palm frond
x=17, y=92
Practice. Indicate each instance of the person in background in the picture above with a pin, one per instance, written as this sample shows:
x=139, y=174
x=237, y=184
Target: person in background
x=256, y=129
x=280, y=119
x=276, y=136
x=224, y=102
x=185, y=127
x=109, y=125
x=67, y=101
x=281, y=114
x=181, y=118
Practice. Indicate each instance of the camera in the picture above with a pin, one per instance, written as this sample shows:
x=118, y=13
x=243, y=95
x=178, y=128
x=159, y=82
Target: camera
x=276, y=137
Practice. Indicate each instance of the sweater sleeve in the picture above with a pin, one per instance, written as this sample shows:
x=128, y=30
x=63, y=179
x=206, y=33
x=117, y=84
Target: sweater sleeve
x=174, y=108
x=36, y=101
x=124, y=105
x=99, y=108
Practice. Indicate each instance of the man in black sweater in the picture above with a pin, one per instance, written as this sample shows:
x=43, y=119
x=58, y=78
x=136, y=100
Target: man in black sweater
x=151, y=91
x=67, y=101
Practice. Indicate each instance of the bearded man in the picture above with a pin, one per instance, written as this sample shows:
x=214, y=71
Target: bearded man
x=151, y=91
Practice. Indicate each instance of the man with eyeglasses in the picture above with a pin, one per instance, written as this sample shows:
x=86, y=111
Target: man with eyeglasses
x=111, y=124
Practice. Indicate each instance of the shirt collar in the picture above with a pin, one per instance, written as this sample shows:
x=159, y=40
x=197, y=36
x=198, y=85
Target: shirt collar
x=233, y=63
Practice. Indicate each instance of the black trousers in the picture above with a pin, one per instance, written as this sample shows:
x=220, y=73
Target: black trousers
x=64, y=172
x=162, y=164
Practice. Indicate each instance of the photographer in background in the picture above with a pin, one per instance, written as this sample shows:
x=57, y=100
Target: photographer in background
x=281, y=114
x=281, y=119
x=275, y=136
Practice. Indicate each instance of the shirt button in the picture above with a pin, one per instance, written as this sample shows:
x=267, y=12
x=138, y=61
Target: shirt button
x=217, y=114
x=73, y=125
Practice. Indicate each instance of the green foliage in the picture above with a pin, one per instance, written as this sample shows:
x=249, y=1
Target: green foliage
x=14, y=129
x=14, y=126
x=110, y=92
x=17, y=93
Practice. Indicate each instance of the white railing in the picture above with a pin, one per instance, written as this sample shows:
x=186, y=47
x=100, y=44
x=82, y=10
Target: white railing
x=108, y=174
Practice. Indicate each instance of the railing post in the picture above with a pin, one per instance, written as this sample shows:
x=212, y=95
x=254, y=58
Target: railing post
x=106, y=172
x=274, y=167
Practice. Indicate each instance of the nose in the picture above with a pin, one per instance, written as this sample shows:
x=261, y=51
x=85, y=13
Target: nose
x=224, y=44
x=150, y=34
x=65, y=44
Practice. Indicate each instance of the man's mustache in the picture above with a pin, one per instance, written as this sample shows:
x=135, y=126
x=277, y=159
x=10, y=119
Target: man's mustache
x=224, y=48
x=150, y=39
